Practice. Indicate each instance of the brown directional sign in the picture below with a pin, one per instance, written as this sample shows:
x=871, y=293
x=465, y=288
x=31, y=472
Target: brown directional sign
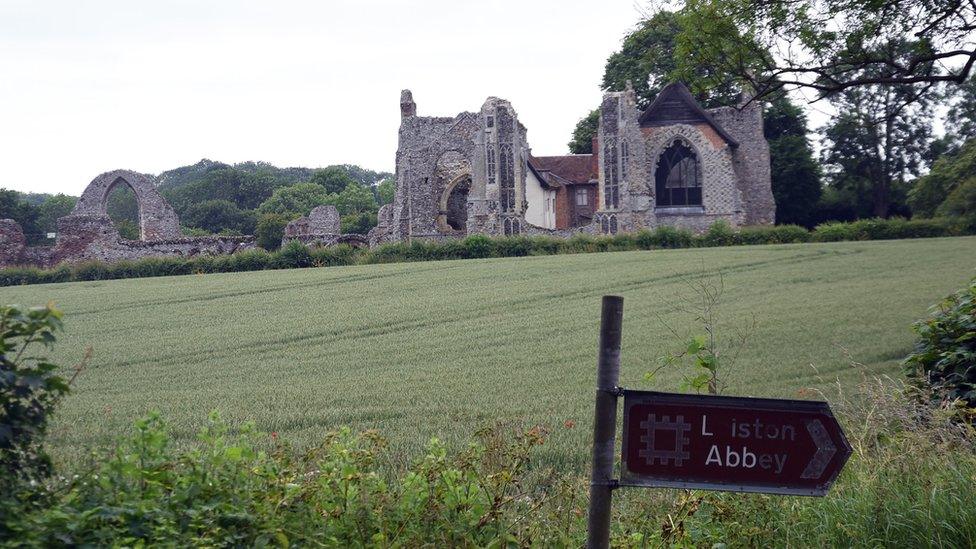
x=730, y=443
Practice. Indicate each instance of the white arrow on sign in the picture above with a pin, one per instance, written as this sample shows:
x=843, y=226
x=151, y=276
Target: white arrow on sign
x=825, y=450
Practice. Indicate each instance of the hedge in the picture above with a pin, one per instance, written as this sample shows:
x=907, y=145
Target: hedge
x=296, y=255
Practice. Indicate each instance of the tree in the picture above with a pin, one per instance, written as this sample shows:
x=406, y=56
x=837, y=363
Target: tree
x=386, y=191
x=368, y=178
x=270, y=230
x=217, y=216
x=586, y=130
x=333, y=179
x=829, y=46
x=647, y=59
x=930, y=192
x=297, y=199
x=52, y=209
x=795, y=173
x=12, y=206
x=354, y=199
x=359, y=223
x=878, y=139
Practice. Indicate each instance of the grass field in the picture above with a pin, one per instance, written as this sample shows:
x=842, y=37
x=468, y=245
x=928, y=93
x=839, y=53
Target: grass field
x=443, y=348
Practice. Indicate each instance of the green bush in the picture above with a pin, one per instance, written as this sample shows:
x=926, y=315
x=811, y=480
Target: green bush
x=666, y=236
x=943, y=362
x=481, y=246
x=270, y=230
x=230, y=491
x=294, y=255
x=30, y=388
x=478, y=246
x=719, y=233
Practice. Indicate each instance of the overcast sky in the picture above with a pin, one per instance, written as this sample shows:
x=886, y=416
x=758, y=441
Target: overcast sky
x=91, y=86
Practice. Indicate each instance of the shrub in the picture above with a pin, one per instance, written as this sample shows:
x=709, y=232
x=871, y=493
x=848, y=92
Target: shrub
x=229, y=491
x=270, y=230
x=943, y=362
x=512, y=246
x=478, y=246
x=719, y=233
x=294, y=255
x=249, y=260
x=30, y=388
x=666, y=236
x=342, y=254
x=777, y=234
x=833, y=232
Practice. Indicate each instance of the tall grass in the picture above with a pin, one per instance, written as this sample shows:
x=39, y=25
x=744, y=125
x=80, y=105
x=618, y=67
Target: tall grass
x=436, y=349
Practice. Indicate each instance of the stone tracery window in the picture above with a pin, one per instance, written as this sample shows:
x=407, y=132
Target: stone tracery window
x=490, y=162
x=507, y=176
x=624, y=158
x=511, y=226
x=611, y=173
x=678, y=176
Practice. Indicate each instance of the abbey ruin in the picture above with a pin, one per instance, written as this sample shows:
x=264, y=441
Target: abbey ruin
x=674, y=164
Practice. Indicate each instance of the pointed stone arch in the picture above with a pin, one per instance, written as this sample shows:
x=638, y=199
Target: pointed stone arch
x=157, y=219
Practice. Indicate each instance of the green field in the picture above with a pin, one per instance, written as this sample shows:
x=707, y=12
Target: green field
x=442, y=348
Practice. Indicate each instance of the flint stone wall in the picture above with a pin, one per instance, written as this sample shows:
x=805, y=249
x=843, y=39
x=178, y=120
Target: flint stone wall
x=95, y=238
x=157, y=219
x=12, y=243
x=323, y=220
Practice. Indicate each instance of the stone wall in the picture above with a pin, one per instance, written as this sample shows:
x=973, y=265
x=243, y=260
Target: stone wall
x=157, y=220
x=750, y=161
x=322, y=227
x=12, y=243
x=89, y=234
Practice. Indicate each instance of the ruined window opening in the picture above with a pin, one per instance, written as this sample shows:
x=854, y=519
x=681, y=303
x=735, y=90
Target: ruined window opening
x=457, y=205
x=490, y=162
x=122, y=207
x=624, y=158
x=604, y=224
x=507, y=176
x=613, y=224
x=678, y=178
x=582, y=197
x=611, y=187
x=490, y=121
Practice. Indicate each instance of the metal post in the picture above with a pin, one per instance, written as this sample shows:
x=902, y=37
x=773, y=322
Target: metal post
x=605, y=423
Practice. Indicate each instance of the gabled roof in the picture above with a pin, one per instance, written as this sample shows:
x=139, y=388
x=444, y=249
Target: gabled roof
x=572, y=168
x=675, y=105
x=547, y=181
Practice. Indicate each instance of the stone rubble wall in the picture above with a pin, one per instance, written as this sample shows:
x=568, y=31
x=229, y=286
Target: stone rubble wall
x=750, y=161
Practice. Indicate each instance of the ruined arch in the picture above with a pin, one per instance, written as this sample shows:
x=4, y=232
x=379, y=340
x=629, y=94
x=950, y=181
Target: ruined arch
x=452, y=177
x=454, y=204
x=157, y=220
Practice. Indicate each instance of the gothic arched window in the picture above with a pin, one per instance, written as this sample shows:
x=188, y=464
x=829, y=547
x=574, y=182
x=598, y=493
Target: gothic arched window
x=678, y=177
x=506, y=168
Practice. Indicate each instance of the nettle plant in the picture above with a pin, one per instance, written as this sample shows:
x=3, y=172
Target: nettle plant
x=943, y=362
x=30, y=388
x=709, y=357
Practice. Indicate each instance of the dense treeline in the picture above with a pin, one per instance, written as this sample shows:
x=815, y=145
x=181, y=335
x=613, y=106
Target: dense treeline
x=297, y=255
x=215, y=198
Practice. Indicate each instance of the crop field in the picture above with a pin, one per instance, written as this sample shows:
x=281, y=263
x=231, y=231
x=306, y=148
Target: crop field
x=444, y=348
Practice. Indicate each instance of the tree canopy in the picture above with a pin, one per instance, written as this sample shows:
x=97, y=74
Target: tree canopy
x=829, y=46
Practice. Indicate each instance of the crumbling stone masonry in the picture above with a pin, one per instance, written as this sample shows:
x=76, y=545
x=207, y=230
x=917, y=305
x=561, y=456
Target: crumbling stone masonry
x=321, y=228
x=674, y=164
x=88, y=233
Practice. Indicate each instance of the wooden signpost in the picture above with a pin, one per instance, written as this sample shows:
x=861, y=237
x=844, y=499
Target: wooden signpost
x=792, y=447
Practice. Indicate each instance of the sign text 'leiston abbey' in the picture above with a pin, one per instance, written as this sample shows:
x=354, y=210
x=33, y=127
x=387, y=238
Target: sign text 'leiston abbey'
x=703, y=442
x=729, y=443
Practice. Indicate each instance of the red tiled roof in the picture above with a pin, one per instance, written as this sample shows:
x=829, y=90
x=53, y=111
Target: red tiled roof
x=576, y=168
